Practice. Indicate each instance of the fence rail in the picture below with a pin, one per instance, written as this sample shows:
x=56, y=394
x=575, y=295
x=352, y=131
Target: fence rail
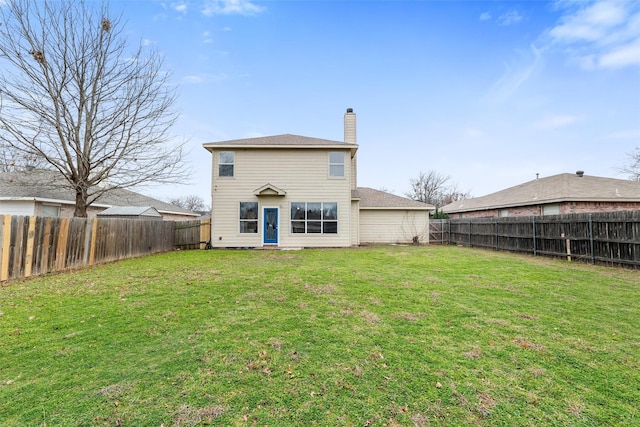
x=611, y=238
x=37, y=245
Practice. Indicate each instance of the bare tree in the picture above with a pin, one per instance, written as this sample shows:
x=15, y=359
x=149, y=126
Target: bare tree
x=192, y=202
x=74, y=96
x=415, y=228
x=10, y=162
x=633, y=168
x=433, y=187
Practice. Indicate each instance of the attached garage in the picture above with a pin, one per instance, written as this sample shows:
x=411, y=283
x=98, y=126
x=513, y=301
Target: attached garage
x=386, y=218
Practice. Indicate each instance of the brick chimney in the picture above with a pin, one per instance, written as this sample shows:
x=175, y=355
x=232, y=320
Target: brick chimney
x=350, y=126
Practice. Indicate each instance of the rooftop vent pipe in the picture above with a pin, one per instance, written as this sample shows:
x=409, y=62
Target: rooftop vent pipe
x=580, y=173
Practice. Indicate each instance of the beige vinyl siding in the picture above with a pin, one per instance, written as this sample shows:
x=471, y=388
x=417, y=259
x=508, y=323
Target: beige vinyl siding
x=355, y=223
x=354, y=171
x=302, y=173
x=384, y=226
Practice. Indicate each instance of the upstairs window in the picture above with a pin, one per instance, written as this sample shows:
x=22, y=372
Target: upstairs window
x=336, y=164
x=226, y=162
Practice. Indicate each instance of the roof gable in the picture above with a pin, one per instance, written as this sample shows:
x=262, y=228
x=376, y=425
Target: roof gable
x=269, y=190
x=554, y=189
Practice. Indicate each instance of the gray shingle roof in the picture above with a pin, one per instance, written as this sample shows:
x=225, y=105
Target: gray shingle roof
x=376, y=199
x=279, y=141
x=147, y=211
x=564, y=187
x=50, y=185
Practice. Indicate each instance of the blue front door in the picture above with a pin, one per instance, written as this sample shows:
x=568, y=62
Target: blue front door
x=270, y=231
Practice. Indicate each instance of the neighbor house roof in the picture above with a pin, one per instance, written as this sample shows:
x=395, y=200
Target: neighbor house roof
x=280, y=141
x=50, y=186
x=376, y=199
x=146, y=211
x=564, y=187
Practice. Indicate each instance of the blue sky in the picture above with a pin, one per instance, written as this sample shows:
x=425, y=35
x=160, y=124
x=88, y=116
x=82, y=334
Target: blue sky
x=487, y=92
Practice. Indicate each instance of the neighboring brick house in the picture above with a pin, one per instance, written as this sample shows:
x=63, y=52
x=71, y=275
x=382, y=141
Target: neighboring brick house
x=42, y=193
x=558, y=194
x=296, y=191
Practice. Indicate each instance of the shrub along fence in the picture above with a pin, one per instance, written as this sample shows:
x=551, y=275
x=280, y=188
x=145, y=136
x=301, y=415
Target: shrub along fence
x=37, y=245
x=610, y=237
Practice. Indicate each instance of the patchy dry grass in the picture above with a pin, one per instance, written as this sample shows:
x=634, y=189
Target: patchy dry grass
x=386, y=336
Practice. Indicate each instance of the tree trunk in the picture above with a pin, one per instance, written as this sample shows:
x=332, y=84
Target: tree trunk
x=81, y=204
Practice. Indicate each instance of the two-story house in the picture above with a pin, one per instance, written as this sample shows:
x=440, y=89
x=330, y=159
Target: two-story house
x=296, y=191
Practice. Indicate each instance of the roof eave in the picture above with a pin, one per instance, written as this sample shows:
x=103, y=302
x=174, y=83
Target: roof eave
x=398, y=208
x=544, y=202
x=341, y=145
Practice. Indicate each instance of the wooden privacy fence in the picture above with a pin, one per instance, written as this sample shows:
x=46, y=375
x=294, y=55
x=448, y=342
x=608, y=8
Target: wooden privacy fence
x=192, y=234
x=611, y=237
x=37, y=245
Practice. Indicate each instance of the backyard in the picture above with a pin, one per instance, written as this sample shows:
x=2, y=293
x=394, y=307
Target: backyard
x=395, y=336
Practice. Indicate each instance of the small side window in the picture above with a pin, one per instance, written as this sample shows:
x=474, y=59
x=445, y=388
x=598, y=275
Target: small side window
x=336, y=164
x=226, y=163
x=51, y=211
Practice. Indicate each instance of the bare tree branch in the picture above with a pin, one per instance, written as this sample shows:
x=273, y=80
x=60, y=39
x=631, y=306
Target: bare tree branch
x=633, y=168
x=192, y=202
x=73, y=95
x=433, y=188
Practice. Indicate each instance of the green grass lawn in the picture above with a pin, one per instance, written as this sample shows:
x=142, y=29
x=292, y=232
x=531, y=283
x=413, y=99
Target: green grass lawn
x=357, y=337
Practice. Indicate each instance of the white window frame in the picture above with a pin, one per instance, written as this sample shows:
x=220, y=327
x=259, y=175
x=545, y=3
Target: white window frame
x=232, y=164
x=333, y=164
x=322, y=220
x=247, y=220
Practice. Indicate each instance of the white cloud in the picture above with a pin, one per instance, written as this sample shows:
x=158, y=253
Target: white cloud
x=206, y=37
x=509, y=18
x=486, y=16
x=515, y=76
x=557, y=121
x=204, y=78
x=231, y=7
x=600, y=33
x=621, y=56
x=179, y=7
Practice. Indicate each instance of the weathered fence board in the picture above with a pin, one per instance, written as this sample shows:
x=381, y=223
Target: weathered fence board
x=192, y=234
x=611, y=237
x=37, y=245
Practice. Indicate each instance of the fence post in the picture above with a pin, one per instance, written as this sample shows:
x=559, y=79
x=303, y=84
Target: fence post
x=94, y=234
x=593, y=255
x=469, y=233
x=535, y=250
x=61, y=252
x=496, y=224
x=6, y=241
x=28, y=259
